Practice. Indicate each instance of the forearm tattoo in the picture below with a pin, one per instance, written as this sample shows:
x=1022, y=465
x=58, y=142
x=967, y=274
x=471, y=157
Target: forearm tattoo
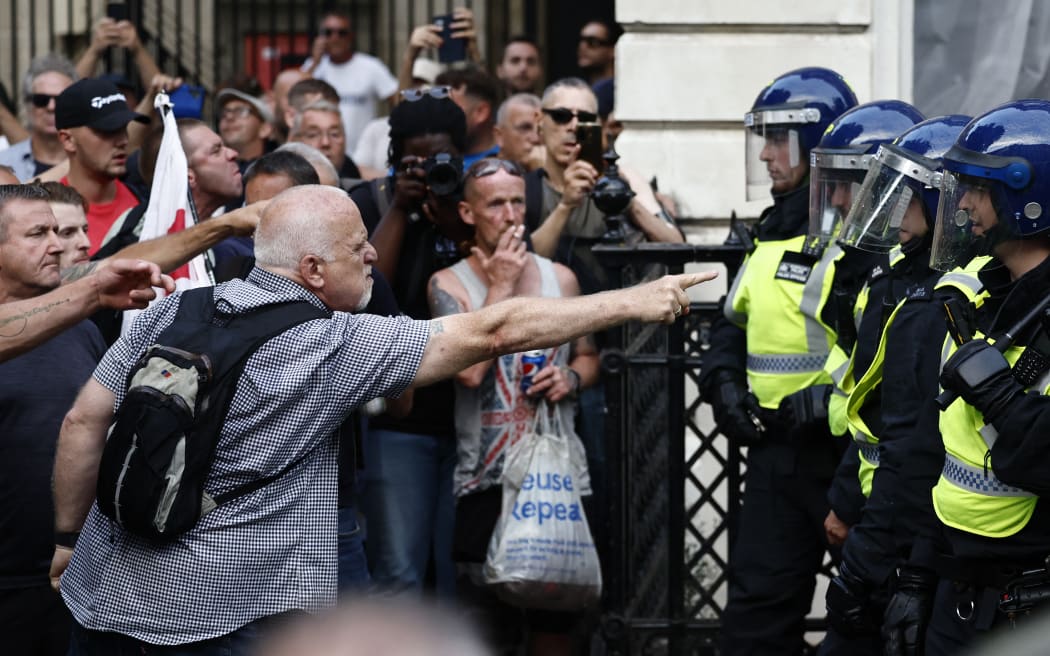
x=78, y=271
x=8, y=324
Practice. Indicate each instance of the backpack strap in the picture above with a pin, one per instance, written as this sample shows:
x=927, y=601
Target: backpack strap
x=253, y=328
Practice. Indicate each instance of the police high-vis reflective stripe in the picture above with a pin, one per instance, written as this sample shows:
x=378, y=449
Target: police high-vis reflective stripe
x=776, y=298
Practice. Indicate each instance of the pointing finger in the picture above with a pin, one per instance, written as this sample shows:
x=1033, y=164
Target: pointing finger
x=687, y=280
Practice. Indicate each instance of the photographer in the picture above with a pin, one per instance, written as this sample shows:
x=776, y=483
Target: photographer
x=413, y=221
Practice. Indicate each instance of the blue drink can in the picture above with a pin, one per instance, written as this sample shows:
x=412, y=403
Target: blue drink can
x=531, y=364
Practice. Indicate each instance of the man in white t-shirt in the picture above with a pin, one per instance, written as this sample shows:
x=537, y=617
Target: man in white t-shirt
x=359, y=78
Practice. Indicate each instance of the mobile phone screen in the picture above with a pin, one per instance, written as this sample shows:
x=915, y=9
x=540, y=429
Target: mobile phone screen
x=451, y=50
x=589, y=136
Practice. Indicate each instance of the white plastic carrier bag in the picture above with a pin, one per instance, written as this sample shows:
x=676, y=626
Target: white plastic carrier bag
x=541, y=554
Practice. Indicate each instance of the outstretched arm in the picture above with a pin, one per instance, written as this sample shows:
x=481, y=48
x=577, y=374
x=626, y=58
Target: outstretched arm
x=172, y=251
x=523, y=324
x=120, y=284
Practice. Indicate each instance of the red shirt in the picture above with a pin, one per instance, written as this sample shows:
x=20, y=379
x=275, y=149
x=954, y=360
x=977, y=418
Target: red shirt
x=102, y=216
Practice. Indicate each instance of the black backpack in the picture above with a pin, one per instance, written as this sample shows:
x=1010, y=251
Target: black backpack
x=162, y=442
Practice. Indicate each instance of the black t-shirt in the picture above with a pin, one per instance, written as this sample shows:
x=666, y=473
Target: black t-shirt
x=422, y=254
x=36, y=390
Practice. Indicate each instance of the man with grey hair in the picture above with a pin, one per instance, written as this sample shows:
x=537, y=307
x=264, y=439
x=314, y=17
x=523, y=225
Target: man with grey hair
x=48, y=76
x=320, y=124
x=517, y=130
x=273, y=550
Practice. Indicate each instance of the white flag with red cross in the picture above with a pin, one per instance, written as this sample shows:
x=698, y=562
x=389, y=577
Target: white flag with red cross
x=170, y=207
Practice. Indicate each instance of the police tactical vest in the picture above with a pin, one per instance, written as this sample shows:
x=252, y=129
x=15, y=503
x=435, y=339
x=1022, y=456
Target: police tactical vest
x=777, y=298
x=841, y=366
x=963, y=280
x=969, y=496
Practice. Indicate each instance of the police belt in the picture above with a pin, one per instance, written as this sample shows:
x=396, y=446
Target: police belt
x=982, y=572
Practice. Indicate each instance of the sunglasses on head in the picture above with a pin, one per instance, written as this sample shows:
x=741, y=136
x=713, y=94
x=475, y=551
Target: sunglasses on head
x=331, y=31
x=41, y=100
x=491, y=165
x=594, y=42
x=438, y=93
x=562, y=115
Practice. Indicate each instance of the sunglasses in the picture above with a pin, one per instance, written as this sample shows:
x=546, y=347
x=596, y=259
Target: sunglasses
x=594, y=42
x=41, y=100
x=328, y=31
x=562, y=116
x=438, y=93
x=491, y=165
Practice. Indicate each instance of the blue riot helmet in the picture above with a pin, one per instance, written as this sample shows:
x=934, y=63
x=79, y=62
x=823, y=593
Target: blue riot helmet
x=791, y=113
x=839, y=162
x=902, y=177
x=995, y=184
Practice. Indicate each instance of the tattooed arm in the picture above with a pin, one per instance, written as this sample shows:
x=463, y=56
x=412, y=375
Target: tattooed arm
x=120, y=285
x=446, y=297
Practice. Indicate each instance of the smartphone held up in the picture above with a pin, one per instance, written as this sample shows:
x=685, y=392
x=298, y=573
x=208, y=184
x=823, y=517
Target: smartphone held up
x=589, y=138
x=452, y=49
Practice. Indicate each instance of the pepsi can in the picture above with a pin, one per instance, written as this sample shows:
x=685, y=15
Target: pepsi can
x=531, y=364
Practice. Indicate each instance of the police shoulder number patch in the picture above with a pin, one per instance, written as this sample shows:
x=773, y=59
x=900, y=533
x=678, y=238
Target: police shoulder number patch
x=795, y=267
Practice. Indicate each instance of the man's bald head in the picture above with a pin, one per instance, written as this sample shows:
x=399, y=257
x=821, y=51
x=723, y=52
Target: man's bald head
x=303, y=220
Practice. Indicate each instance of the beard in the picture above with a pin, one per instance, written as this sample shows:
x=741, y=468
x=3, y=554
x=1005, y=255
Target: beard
x=366, y=297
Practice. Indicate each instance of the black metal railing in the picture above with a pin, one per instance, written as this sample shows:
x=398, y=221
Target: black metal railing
x=675, y=485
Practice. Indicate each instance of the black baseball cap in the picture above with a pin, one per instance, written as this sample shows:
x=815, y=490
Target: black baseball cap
x=96, y=104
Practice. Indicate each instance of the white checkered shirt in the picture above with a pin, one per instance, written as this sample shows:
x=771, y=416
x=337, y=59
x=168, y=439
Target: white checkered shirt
x=272, y=550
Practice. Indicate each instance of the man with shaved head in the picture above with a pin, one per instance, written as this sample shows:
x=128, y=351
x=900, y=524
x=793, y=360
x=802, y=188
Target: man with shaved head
x=273, y=550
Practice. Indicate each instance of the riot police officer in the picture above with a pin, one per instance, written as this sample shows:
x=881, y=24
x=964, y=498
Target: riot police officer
x=994, y=201
x=893, y=213
x=838, y=167
x=764, y=373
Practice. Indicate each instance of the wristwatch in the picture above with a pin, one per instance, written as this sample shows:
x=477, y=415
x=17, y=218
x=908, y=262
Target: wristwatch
x=67, y=539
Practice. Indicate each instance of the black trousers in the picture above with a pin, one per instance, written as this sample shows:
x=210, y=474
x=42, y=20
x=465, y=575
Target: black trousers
x=34, y=622
x=778, y=550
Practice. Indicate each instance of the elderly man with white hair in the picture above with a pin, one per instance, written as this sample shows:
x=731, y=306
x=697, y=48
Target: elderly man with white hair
x=273, y=550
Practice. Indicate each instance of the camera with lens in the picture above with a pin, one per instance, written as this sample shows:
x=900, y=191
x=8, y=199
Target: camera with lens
x=444, y=174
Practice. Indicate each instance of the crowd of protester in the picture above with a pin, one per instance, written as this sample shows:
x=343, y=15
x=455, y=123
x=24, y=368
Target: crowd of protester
x=418, y=472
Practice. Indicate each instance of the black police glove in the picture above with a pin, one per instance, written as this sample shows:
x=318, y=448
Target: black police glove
x=981, y=376
x=734, y=407
x=849, y=605
x=908, y=613
x=806, y=407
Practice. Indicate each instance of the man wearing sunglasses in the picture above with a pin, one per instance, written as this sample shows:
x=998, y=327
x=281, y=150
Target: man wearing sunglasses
x=564, y=221
x=360, y=79
x=596, y=51
x=47, y=77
